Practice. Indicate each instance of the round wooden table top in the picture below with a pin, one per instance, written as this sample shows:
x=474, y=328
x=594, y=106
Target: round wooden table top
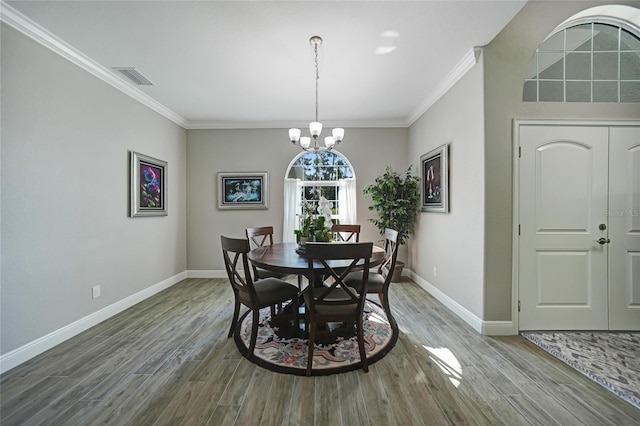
x=283, y=257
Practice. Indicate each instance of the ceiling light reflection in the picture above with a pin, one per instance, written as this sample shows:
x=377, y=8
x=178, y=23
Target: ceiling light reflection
x=383, y=50
x=388, y=43
x=390, y=34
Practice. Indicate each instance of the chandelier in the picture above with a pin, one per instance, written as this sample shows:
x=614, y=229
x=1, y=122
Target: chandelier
x=315, y=128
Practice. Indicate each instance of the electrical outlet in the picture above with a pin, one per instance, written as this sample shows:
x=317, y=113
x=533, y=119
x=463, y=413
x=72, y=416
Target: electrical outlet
x=435, y=271
x=95, y=291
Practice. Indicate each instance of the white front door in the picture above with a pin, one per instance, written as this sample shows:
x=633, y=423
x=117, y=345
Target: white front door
x=563, y=206
x=624, y=229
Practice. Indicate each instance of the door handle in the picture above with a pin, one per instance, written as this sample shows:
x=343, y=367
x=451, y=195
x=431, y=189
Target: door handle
x=603, y=240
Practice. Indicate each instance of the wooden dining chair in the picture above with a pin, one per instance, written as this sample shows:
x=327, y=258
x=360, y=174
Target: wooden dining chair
x=258, y=237
x=337, y=302
x=270, y=292
x=346, y=233
x=380, y=280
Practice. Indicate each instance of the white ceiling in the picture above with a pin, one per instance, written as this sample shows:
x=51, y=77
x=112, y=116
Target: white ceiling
x=249, y=63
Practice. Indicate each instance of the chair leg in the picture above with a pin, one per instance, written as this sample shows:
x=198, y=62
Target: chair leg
x=312, y=342
x=234, y=321
x=384, y=299
x=350, y=325
x=363, y=352
x=254, y=332
x=296, y=315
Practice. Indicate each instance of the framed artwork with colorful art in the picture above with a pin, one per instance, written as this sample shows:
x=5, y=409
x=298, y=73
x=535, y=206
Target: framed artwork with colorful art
x=148, y=178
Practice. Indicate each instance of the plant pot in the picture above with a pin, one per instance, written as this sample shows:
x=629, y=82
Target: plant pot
x=397, y=272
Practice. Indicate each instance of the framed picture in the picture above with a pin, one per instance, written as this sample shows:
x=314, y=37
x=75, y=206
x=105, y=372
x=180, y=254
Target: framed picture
x=435, y=180
x=243, y=190
x=148, y=178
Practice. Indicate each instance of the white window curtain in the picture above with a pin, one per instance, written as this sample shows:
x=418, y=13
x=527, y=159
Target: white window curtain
x=347, y=200
x=292, y=200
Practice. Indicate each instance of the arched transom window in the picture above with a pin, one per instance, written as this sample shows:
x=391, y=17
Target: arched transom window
x=595, y=60
x=310, y=176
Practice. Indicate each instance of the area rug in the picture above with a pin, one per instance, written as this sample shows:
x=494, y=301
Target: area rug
x=280, y=348
x=610, y=359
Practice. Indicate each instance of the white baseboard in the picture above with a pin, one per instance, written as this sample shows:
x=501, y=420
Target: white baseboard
x=30, y=350
x=498, y=328
x=212, y=273
x=489, y=328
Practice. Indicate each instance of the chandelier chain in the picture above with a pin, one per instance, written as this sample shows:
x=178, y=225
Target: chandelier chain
x=315, y=48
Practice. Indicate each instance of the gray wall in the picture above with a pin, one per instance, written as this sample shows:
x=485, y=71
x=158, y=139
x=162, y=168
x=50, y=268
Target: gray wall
x=213, y=151
x=472, y=245
x=507, y=59
x=453, y=242
x=64, y=194
x=64, y=182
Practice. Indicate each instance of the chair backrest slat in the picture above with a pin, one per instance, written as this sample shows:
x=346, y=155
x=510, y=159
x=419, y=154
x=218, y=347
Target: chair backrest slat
x=358, y=254
x=346, y=233
x=391, y=253
x=260, y=236
x=234, y=252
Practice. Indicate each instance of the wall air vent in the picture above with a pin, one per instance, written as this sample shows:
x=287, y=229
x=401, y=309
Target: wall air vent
x=133, y=75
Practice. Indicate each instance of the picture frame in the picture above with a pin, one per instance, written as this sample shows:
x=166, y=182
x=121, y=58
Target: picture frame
x=148, y=192
x=243, y=190
x=434, y=166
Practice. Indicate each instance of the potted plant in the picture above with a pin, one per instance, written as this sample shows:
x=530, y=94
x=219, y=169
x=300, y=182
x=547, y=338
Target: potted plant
x=321, y=233
x=396, y=199
x=302, y=234
x=312, y=227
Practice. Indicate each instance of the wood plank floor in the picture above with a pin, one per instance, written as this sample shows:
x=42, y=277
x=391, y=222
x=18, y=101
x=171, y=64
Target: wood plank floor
x=167, y=361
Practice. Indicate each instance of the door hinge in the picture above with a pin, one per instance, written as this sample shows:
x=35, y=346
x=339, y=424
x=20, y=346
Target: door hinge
x=519, y=229
x=518, y=306
x=519, y=152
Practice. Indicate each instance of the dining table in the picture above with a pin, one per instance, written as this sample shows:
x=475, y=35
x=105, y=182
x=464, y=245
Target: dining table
x=289, y=258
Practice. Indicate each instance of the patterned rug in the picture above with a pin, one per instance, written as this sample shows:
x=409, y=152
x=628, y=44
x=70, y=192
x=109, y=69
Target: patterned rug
x=610, y=359
x=280, y=348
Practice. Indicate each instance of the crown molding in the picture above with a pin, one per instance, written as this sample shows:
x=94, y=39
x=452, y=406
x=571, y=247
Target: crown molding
x=31, y=29
x=229, y=125
x=467, y=62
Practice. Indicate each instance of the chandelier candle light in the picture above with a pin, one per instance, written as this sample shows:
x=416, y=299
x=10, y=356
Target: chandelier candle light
x=315, y=128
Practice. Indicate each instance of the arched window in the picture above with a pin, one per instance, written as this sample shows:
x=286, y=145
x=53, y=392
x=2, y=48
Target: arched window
x=589, y=58
x=310, y=176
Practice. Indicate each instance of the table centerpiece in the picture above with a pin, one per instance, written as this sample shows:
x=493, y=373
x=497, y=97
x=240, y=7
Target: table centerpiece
x=314, y=227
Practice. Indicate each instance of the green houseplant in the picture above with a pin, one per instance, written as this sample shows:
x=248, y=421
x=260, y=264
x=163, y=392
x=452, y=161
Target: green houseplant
x=314, y=227
x=396, y=199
